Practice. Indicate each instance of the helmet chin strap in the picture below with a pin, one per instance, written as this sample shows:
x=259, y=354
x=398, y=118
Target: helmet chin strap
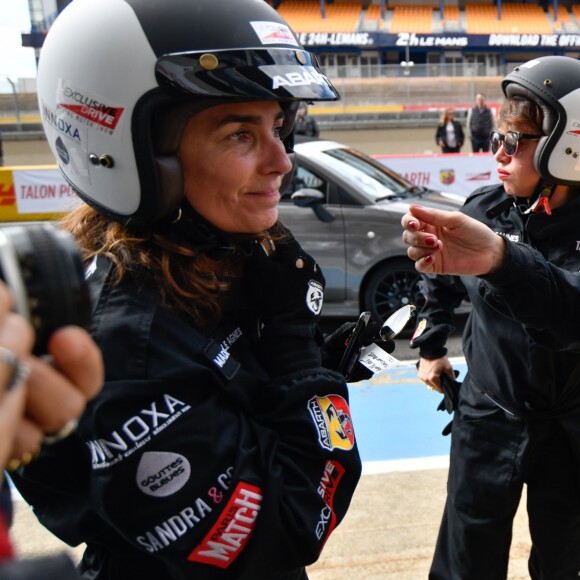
x=542, y=202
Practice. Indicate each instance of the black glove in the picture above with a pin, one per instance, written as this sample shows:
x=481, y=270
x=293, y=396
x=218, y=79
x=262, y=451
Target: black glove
x=450, y=393
x=334, y=346
x=286, y=290
x=450, y=397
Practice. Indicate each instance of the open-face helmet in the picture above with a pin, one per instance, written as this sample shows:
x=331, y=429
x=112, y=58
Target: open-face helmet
x=553, y=82
x=118, y=79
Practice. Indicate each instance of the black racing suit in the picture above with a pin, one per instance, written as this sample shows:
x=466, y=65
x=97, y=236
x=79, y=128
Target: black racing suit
x=192, y=462
x=518, y=414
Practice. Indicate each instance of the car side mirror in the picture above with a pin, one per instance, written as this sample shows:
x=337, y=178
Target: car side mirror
x=314, y=199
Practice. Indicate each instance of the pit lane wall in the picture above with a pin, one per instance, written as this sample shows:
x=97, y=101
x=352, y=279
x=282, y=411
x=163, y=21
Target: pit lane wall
x=35, y=193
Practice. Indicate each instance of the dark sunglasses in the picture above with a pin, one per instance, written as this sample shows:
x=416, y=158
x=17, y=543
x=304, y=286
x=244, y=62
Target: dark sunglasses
x=510, y=141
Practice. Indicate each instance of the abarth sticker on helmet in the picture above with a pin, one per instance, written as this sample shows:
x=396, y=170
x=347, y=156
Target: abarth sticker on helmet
x=331, y=417
x=305, y=77
x=274, y=33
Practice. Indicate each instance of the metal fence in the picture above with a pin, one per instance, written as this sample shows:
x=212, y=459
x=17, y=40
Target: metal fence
x=414, y=86
x=387, y=94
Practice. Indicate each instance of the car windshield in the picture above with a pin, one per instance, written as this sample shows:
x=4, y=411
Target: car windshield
x=367, y=175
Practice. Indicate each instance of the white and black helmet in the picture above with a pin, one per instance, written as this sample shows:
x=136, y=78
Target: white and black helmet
x=553, y=82
x=117, y=80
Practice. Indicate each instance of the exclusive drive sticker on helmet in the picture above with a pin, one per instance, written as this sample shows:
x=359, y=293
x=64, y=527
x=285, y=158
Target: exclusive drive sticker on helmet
x=274, y=33
x=90, y=110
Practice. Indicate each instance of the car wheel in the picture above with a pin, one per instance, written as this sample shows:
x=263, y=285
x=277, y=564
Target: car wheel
x=391, y=286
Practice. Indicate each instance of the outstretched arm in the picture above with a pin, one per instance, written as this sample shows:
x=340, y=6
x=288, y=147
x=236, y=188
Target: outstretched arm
x=451, y=243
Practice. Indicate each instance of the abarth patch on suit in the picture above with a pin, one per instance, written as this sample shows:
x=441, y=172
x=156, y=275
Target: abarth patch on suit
x=331, y=416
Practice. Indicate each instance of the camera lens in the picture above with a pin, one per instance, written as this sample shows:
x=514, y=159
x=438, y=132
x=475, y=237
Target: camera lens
x=43, y=270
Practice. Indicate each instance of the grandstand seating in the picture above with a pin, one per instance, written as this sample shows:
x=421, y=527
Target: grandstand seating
x=412, y=19
x=575, y=11
x=564, y=20
x=373, y=13
x=451, y=13
x=563, y=14
x=305, y=16
x=515, y=18
x=424, y=17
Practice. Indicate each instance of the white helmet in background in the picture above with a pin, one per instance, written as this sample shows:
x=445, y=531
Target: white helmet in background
x=553, y=82
x=118, y=79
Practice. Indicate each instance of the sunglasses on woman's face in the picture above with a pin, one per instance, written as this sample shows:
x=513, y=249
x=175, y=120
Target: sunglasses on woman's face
x=510, y=141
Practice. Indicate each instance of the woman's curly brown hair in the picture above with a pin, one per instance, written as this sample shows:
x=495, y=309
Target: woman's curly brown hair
x=188, y=280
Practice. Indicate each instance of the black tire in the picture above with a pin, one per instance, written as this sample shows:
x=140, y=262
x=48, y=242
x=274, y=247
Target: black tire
x=391, y=286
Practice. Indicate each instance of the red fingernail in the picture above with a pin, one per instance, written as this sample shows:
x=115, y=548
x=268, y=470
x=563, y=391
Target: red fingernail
x=430, y=241
x=428, y=259
x=412, y=225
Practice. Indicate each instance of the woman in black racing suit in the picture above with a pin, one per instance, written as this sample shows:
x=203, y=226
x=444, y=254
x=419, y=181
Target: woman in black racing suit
x=518, y=409
x=219, y=447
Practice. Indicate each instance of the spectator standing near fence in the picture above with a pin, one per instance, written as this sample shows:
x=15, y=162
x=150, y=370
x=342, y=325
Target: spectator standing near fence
x=480, y=123
x=305, y=124
x=449, y=135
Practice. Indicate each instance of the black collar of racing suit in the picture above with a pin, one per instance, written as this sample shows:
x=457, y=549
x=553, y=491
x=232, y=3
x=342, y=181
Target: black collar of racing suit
x=189, y=227
x=524, y=205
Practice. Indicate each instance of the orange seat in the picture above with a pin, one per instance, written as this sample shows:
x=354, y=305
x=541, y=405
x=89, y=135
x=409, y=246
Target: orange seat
x=451, y=13
x=563, y=14
x=515, y=18
x=306, y=16
x=412, y=19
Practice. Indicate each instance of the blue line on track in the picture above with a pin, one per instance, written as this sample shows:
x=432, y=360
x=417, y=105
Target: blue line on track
x=395, y=416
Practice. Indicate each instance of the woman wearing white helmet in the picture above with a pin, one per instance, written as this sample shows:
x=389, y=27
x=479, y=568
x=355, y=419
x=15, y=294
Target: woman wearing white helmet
x=517, y=411
x=219, y=447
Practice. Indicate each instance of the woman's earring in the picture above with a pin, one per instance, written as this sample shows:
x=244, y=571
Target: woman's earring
x=178, y=217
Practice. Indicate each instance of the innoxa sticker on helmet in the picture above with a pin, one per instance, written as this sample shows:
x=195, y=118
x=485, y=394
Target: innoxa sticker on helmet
x=333, y=422
x=274, y=33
